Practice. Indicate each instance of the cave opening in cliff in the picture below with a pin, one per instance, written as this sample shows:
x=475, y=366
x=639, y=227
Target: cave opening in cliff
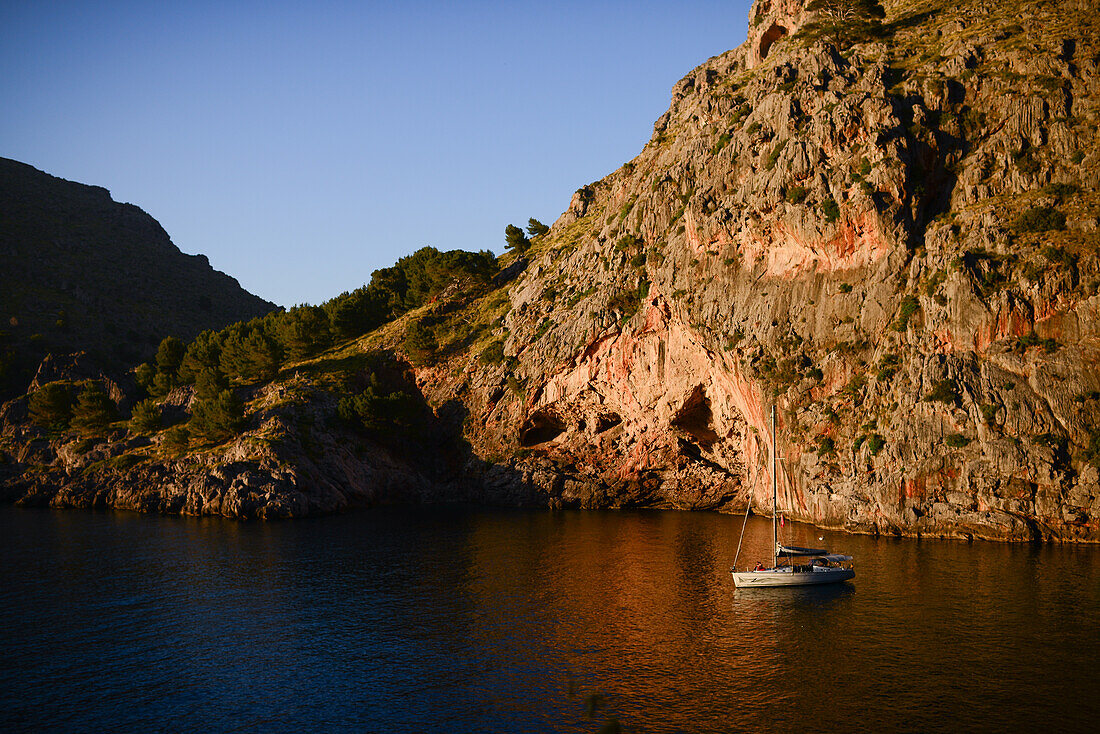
x=541, y=427
x=607, y=421
x=770, y=36
x=694, y=417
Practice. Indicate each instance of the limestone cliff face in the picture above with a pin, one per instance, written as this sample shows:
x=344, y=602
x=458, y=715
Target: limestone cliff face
x=771, y=21
x=895, y=245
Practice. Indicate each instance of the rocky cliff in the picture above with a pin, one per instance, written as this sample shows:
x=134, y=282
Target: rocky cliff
x=889, y=233
x=893, y=241
x=83, y=272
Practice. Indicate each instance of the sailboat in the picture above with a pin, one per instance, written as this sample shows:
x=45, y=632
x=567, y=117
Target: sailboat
x=791, y=565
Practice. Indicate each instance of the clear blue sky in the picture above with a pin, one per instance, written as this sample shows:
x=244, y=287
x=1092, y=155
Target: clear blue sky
x=302, y=145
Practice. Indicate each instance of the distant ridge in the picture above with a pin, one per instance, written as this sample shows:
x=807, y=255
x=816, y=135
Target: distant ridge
x=83, y=272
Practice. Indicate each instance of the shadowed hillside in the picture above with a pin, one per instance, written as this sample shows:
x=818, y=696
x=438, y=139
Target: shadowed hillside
x=83, y=272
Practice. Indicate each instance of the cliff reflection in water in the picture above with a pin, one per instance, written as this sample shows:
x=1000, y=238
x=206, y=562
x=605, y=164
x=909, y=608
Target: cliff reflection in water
x=468, y=620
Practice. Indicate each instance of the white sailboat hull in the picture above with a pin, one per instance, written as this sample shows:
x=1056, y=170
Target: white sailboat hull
x=785, y=576
x=824, y=569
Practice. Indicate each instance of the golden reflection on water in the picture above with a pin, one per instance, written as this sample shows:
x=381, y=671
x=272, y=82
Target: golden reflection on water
x=637, y=603
x=644, y=602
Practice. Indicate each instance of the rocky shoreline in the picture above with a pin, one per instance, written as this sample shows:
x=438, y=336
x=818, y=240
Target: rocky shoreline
x=239, y=483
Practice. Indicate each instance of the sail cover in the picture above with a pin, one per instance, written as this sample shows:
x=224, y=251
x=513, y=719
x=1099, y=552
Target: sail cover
x=836, y=557
x=794, y=550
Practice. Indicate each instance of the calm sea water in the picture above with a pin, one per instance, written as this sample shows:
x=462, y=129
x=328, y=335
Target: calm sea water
x=475, y=620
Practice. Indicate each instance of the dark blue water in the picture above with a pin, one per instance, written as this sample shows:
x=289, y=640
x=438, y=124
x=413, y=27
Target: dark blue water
x=451, y=620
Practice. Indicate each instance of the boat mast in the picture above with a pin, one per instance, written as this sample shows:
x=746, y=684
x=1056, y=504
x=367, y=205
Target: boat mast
x=775, y=500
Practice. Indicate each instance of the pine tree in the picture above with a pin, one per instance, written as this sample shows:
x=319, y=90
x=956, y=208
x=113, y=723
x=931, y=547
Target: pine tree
x=380, y=409
x=144, y=375
x=146, y=417
x=169, y=355
x=51, y=406
x=411, y=282
x=354, y=314
x=94, y=409
x=250, y=354
x=303, y=331
x=515, y=239
x=203, y=353
x=210, y=383
x=219, y=418
x=162, y=384
x=535, y=228
x=420, y=343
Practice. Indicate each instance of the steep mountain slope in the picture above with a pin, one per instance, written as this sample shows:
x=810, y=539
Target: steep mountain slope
x=895, y=244
x=82, y=272
x=889, y=234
